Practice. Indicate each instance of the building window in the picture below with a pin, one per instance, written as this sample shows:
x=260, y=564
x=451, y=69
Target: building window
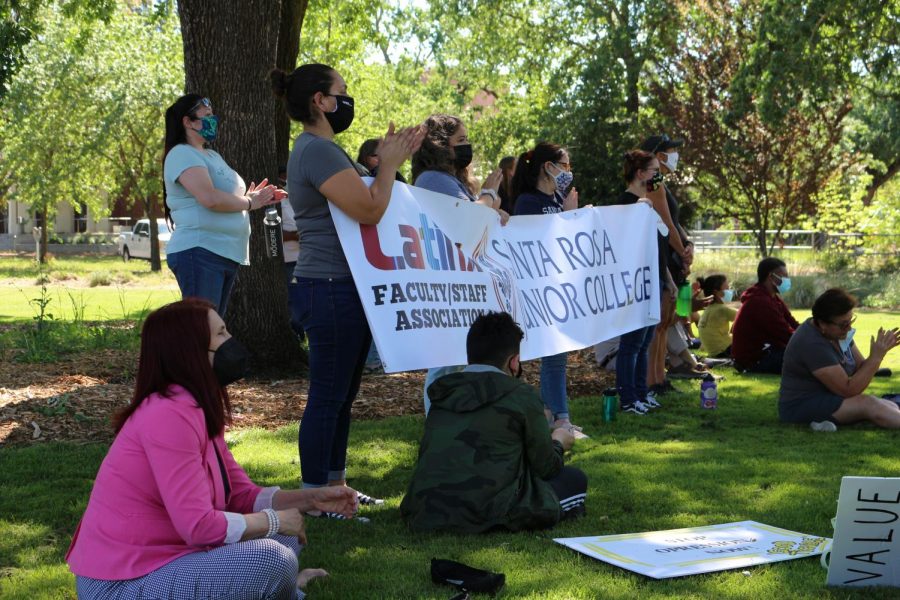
x=4, y=219
x=81, y=218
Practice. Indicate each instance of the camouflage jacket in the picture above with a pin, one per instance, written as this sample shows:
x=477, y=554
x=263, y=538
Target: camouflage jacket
x=484, y=459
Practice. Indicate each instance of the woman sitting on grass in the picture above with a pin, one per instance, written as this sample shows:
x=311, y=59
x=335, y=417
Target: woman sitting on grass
x=825, y=374
x=715, y=322
x=172, y=514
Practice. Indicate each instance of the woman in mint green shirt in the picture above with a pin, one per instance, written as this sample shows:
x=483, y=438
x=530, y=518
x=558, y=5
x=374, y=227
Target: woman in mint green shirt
x=208, y=203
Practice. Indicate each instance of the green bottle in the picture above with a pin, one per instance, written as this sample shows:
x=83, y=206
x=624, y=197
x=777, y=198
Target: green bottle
x=683, y=304
x=610, y=404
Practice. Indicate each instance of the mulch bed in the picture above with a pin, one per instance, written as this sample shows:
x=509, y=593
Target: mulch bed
x=72, y=400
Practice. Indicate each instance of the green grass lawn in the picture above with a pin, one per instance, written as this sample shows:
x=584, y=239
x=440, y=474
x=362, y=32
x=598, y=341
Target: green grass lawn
x=96, y=288
x=678, y=467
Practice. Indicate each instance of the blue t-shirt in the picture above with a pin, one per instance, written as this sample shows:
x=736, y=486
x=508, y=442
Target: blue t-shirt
x=538, y=203
x=444, y=183
x=224, y=233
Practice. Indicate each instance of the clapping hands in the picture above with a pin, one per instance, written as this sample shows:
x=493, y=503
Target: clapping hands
x=884, y=342
x=397, y=146
x=264, y=194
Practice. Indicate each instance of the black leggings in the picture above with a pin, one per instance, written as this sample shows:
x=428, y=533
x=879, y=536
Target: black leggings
x=570, y=486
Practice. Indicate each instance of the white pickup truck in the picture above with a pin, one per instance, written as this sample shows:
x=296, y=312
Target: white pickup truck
x=136, y=243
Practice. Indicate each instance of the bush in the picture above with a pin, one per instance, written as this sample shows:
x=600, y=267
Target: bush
x=101, y=278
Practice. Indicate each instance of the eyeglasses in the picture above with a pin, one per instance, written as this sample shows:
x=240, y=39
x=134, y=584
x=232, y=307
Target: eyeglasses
x=844, y=324
x=201, y=102
x=564, y=166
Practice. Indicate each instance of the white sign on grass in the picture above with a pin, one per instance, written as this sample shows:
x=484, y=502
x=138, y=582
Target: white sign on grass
x=866, y=549
x=435, y=263
x=679, y=552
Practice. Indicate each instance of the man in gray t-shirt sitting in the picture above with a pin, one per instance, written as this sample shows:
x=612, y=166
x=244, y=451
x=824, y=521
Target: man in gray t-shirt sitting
x=824, y=373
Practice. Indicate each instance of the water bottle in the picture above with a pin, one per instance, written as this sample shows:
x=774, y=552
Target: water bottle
x=709, y=392
x=272, y=227
x=683, y=304
x=610, y=404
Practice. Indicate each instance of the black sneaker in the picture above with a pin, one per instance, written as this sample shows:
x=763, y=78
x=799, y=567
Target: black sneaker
x=573, y=513
x=635, y=408
x=324, y=514
x=368, y=500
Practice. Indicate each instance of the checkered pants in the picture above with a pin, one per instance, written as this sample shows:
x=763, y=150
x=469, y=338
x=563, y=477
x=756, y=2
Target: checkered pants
x=264, y=569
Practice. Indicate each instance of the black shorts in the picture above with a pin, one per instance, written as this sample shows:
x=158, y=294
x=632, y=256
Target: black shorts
x=813, y=408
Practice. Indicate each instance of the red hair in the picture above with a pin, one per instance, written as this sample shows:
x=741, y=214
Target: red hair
x=174, y=350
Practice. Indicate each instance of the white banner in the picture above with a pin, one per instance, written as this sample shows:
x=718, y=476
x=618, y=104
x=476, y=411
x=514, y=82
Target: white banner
x=434, y=263
x=679, y=552
x=866, y=549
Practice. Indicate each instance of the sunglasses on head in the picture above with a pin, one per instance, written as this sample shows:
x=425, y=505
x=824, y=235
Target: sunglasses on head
x=201, y=102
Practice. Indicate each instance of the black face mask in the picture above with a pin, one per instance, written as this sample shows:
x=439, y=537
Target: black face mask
x=342, y=116
x=230, y=361
x=462, y=156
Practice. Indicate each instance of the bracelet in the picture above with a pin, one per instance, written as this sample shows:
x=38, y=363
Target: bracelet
x=489, y=192
x=249, y=204
x=274, y=522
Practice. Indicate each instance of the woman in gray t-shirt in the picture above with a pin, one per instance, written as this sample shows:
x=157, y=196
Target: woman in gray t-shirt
x=824, y=374
x=324, y=298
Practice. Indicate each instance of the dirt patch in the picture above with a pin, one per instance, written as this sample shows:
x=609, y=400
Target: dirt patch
x=73, y=400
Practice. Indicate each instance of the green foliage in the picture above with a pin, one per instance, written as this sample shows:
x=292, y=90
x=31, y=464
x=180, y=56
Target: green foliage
x=20, y=23
x=82, y=119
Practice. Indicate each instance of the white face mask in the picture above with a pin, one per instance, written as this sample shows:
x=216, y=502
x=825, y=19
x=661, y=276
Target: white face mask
x=671, y=160
x=847, y=340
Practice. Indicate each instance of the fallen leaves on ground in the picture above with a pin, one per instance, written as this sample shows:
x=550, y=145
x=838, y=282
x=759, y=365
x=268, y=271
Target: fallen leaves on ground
x=74, y=399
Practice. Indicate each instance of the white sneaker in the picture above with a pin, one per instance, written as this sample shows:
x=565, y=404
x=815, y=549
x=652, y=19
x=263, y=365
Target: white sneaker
x=638, y=408
x=651, y=401
x=643, y=405
x=823, y=426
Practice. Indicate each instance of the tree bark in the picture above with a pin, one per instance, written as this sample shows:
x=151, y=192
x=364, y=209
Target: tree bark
x=229, y=48
x=879, y=179
x=155, y=260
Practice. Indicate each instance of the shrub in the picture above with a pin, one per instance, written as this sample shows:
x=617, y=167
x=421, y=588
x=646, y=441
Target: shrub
x=101, y=278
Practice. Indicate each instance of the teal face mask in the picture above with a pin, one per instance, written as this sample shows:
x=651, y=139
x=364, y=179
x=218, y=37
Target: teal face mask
x=785, y=285
x=728, y=295
x=209, y=127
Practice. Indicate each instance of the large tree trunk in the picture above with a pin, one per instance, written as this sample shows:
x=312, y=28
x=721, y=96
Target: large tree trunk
x=229, y=47
x=155, y=261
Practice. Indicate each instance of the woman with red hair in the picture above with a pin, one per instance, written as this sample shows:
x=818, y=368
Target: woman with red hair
x=172, y=514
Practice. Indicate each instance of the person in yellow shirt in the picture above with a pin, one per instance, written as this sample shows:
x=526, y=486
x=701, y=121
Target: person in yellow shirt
x=715, y=322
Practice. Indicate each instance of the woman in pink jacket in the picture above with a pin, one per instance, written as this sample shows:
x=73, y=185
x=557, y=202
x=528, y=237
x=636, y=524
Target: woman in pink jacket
x=172, y=514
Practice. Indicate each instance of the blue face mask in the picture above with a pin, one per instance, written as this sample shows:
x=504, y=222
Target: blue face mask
x=785, y=285
x=728, y=295
x=847, y=341
x=209, y=127
x=563, y=180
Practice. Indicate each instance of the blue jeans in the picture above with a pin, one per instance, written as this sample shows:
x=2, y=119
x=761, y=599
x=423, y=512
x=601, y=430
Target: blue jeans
x=631, y=365
x=553, y=385
x=204, y=274
x=339, y=339
x=771, y=362
x=373, y=360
